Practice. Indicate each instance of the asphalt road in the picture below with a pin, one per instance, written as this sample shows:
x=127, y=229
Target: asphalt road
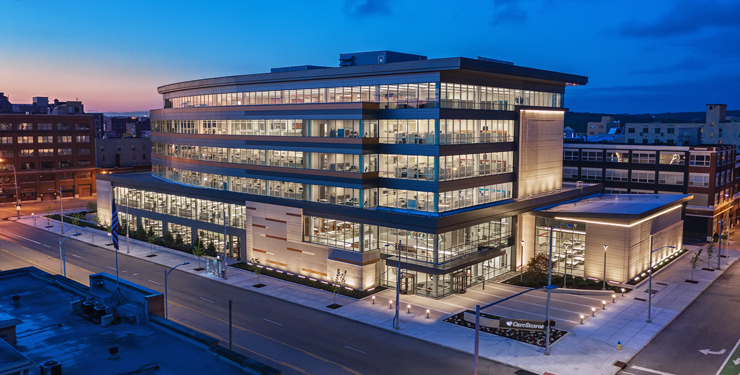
x=290, y=337
x=709, y=323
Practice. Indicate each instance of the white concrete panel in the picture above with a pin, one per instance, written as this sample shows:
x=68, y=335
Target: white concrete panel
x=540, y=152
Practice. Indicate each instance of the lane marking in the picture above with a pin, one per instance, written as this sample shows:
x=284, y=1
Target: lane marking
x=728, y=357
x=113, y=268
x=27, y=239
x=651, y=370
x=269, y=338
x=206, y=299
x=268, y=320
x=359, y=351
x=154, y=282
x=76, y=256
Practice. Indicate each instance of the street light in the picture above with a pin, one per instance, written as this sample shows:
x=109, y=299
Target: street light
x=166, y=273
x=604, y=287
x=63, y=257
x=650, y=279
x=17, y=193
x=521, y=268
x=550, y=287
x=396, y=319
x=565, y=275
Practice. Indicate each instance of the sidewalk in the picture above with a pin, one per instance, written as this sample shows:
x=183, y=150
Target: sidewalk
x=588, y=348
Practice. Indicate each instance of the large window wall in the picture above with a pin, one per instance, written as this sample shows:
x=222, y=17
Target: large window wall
x=475, y=131
x=272, y=127
x=362, y=198
x=454, y=95
x=568, y=245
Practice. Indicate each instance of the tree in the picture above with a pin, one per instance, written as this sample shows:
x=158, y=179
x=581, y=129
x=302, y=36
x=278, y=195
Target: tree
x=169, y=240
x=74, y=220
x=694, y=261
x=212, y=249
x=151, y=237
x=48, y=213
x=338, y=284
x=92, y=207
x=199, y=251
x=257, y=269
x=141, y=233
x=538, y=265
x=179, y=242
x=710, y=251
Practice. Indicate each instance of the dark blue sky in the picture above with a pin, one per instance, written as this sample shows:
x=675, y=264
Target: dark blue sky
x=640, y=56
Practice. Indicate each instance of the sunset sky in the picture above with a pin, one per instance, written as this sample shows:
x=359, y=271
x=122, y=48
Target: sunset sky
x=640, y=56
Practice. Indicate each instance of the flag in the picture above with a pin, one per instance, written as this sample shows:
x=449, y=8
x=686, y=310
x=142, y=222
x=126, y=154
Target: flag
x=114, y=225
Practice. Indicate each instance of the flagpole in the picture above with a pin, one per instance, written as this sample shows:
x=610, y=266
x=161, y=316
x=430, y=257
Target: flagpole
x=117, y=298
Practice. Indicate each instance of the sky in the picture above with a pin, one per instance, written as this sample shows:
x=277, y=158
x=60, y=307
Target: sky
x=640, y=56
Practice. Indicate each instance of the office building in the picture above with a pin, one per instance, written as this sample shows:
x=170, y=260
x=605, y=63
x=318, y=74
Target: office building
x=707, y=172
x=49, y=153
x=312, y=169
x=602, y=127
x=115, y=155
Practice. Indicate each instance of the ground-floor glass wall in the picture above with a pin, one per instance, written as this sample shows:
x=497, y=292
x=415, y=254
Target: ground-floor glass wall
x=568, y=244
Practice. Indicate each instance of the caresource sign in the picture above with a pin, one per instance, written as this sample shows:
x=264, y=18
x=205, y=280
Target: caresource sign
x=531, y=325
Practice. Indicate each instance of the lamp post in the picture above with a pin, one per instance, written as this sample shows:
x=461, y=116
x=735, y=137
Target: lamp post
x=61, y=207
x=396, y=319
x=650, y=279
x=17, y=193
x=63, y=257
x=521, y=268
x=719, y=248
x=34, y=218
x=605, y=247
x=166, y=273
x=565, y=274
x=550, y=287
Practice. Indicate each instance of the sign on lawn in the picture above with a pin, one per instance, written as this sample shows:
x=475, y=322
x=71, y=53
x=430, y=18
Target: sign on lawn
x=530, y=325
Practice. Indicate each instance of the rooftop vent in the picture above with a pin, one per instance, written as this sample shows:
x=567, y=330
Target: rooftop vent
x=376, y=57
x=481, y=58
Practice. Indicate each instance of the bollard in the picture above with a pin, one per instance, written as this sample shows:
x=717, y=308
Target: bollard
x=593, y=311
x=619, y=345
x=390, y=304
x=373, y=300
x=603, y=305
x=427, y=313
x=581, y=318
x=622, y=292
x=408, y=309
x=614, y=300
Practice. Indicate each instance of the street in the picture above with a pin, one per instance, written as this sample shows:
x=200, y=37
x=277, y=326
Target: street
x=287, y=336
x=701, y=339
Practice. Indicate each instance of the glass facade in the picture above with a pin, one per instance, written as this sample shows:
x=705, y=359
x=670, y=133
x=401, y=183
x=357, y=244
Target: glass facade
x=454, y=95
x=568, y=245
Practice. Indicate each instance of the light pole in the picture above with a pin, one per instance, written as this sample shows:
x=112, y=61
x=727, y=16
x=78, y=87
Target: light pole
x=61, y=207
x=521, y=268
x=396, y=319
x=605, y=247
x=565, y=275
x=166, y=273
x=34, y=218
x=719, y=248
x=63, y=257
x=650, y=280
x=128, y=224
x=550, y=287
x=17, y=193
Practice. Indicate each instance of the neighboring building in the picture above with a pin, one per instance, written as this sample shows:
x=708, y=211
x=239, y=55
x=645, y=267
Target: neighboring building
x=312, y=169
x=603, y=127
x=61, y=326
x=113, y=155
x=68, y=108
x=5, y=105
x=48, y=152
x=706, y=172
x=717, y=129
x=129, y=126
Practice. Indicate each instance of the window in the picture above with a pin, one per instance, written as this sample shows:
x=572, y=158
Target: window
x=44, y=127
x=570, y=154
x=47, y=165
x=670, y=178
x=64, y=126
x=621, y=175
x=591, y=173
x=671, y=131
x=6, y=140
x=617, y=156
x=643, y=157
x=64, y=138
x=570, y=172
x=133, y=147
x=83, y=151
x=47, y=177
x=46, y=139
x=640, y=191
x=630, y=141
x=26, y=166
x=84, y=163
x=717, y=179
x=630, y=130
x=644, y=130
x=46, y=152
x=133, y=157
x=26, y=153
x=699, y=160
x=4, y=126
x=643, y=177
x=82, y=126
x=7, y=154
x=591, y=155
x=119, y=147
x=699, y=179
x=27, y=178
x=25, y=126
x=615, y=191
x=65, y=164
x=64, y=152
x=84, y=175
x=656, y=130
x=25, y=139
x=673, y=158
x=671, y=141
x=66, y=176
x=83, y=138
x=143, y=156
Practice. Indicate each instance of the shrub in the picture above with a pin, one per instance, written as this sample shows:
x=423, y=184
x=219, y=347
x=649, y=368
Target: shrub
x=582, y=284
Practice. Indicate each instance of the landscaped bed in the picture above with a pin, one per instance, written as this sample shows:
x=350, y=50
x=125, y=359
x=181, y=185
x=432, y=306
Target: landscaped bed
x=661, y=264
x=530, y=337
x=307, y=281
x=535, y=281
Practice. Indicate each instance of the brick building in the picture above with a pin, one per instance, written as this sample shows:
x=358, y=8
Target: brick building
x=48, y=152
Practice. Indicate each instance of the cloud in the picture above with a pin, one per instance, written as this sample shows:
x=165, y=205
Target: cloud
x=688, y=64
x=366, y=8
x=686, y=18
x=507, y=11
